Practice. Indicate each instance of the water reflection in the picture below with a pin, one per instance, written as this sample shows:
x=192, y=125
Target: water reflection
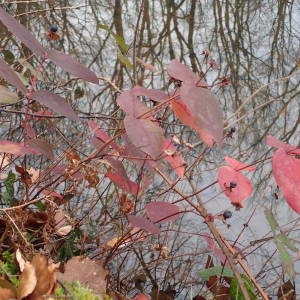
x=256, y=43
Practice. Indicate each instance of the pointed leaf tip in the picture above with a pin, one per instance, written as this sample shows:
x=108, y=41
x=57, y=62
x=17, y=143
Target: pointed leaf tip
x=69, y=64
x=56, y=103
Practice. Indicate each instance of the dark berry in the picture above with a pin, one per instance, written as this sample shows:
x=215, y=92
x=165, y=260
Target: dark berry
x=53, y=28
x=227, y=214
x=232, y=130
x=233, y=184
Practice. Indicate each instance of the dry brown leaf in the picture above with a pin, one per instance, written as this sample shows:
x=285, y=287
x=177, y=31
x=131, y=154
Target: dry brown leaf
x=46, y=277
x=89, y=273
x=28, y=281
x=6, y=294
x=21, y=261
x=64, y=230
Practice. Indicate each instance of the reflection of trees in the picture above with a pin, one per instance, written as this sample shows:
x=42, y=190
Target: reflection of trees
x=255, y=42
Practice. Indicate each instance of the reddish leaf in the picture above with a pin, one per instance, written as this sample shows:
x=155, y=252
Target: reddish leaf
x=206, y=110
x=187, y=118
x=42, y=147
x=237, y=165
x=119, y=176
x=142, y=223
x=10, y=76
x=174, y=158
x=14, y=148
x=213, y=246
x=286, y=170
x=21, y=33
x=72, y=66
x=271, y=141
x=137, y=156
x=145, y=135
x=241, y=191
x=56, y=103
x=125, y=184
x=155, y=95
x=131, y=104
x=102, y=135
x=51, y=193
x=162, y=212
x=181, y=72
x=141, y=297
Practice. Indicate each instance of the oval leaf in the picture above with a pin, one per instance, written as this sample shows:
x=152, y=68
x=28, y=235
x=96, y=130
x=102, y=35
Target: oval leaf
x=243, y=188
x=129, y=103
x=237, y=165
x=14, y=148
x=142, y=223
x=155, y=95
x=21, y=33
x=181, y=72
x=56, y=103
x=273, y=142
x=286, y=170
x=162, y=212
x=7, y=97
x=11, y=77
x=187, y=118
x=206, y=110
x=72, y=66
x=145, y=135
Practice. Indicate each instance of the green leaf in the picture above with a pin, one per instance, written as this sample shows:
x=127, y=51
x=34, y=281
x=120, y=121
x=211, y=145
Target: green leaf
x=236, y=292
x=271, y=220
x=119, y=39
x=286, y=260
x=8, y=195
x=124, y=60
x=216, y=271
x=287, y=242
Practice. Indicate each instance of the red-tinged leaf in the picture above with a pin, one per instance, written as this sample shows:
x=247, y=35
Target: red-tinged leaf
x=174, y=158
x=30, y=132
x=131, y=104
x=286, y=170
x=102, y=135
x=215, y=249
x=141, y=297
x=241, y=191
x=237, y=165
x=14, y=148
x=273, y=142
x=21, y=33
x=72, y=66
x=127, y=185
x=56, y=103
x=145, y=135
x=181, y=72
x=155, y=95
x=206, y=110
x=142, y=223
x=42, y=147
x=162, y=212
x=137, y=156
x=11, y=77
x=119, y=176
x=187, y=118
x=53, y=194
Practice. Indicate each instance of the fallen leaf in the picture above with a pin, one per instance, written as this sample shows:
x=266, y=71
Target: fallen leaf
x=91, y=275
x=27, y=280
